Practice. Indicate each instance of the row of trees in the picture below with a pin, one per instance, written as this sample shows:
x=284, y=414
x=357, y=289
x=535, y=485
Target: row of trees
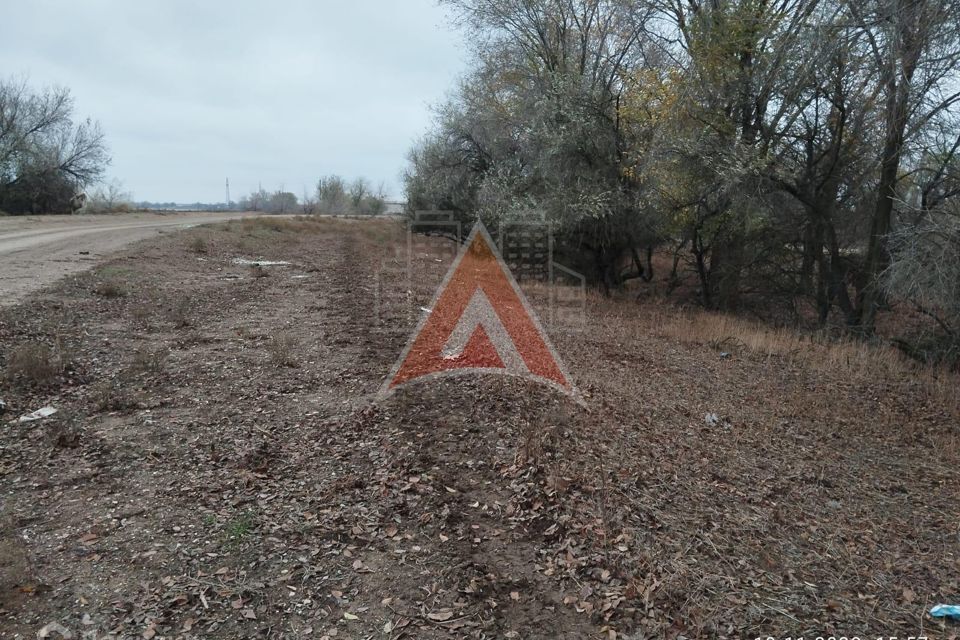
x=46, y=157
x=279, y=201
x=335, y=196
x=332, y=196
x=795, y=152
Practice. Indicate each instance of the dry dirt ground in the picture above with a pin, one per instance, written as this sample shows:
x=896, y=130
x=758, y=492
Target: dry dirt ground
x=37, y=250
x=218, y=467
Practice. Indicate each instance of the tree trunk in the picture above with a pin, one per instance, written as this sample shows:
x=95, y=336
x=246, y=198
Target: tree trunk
x=726, y=265
x=697, y=248
x=903, y=57
x=808, y=259
x=877, y=257
x=838, y=274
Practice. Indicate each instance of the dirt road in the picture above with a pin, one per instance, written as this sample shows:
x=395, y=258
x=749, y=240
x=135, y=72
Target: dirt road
x=37, y=250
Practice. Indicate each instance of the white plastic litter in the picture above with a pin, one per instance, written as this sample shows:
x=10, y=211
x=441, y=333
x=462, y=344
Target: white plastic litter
x=55, y=628
x=260, y=263
x=40, y=413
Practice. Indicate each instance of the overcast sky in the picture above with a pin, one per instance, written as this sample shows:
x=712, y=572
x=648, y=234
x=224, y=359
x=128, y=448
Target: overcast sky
x=190, y=93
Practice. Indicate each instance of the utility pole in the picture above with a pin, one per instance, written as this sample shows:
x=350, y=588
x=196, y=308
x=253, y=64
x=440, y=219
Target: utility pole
x=228, y=193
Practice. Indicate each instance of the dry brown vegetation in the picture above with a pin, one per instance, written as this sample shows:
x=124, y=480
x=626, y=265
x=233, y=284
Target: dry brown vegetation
x=198, y=244
x=204, y=491
x=37, y=363
x=282, y=348
x=853, y=359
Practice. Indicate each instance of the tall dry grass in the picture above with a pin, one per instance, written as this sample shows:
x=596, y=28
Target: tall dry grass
x=856, y=360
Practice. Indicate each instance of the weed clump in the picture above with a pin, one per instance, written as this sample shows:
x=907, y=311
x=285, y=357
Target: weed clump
x=281, y=348
x=198, y=244
x=152, y=362
x=179, y=313
x=112, y=395
x=36, y=363
x=110, y=288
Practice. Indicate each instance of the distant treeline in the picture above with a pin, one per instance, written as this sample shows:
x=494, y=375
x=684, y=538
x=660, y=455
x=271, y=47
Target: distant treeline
x=184, y=206
x=332, y=195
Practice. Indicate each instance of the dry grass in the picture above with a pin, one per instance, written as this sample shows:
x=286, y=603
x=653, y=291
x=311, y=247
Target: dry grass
x=111, y=288
x=150, y=361
x=112, y=395
x=37, y=363
x=198, y=244
x=142, y=313
x=378, y=230
x=297, y=224
x=725, y=332
x=854, y=360
x=64, y=431
x=281, y=348
x=179, y=313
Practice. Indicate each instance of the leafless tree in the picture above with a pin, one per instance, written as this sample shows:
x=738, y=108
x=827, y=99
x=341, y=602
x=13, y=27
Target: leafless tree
x=45, y=158
x=925, y=271
x=916, y=49
x=359, y=189
x=110, y=197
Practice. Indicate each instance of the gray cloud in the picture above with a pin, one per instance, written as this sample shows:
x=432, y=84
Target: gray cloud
x=281, y=92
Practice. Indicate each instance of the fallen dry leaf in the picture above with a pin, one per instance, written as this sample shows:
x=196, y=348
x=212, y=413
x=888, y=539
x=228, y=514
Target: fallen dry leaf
x=441, y=615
